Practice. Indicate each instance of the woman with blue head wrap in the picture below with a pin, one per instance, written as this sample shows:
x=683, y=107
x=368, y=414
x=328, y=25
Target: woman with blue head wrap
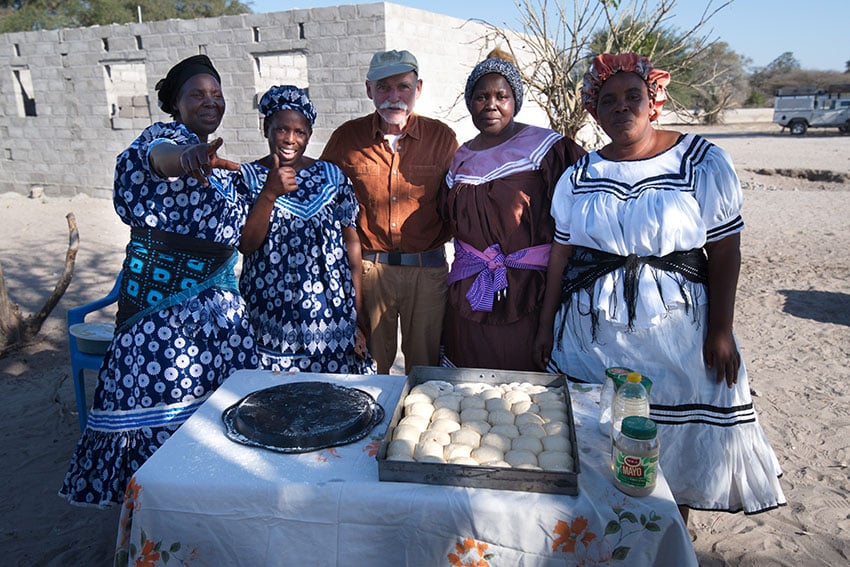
x=301, y=272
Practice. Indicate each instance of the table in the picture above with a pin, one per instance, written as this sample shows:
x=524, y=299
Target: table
x=205, y=500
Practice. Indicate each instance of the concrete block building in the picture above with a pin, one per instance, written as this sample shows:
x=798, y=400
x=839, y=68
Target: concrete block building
x=72, y=99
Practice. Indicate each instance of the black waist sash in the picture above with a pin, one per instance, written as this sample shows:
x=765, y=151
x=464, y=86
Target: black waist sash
x=587, y=265
x=162, y=269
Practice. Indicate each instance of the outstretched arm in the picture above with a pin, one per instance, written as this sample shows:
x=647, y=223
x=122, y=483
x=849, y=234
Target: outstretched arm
x=197, y=160
x=719, y=350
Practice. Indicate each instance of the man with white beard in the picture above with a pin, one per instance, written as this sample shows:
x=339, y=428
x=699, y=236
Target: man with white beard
x=397, y=160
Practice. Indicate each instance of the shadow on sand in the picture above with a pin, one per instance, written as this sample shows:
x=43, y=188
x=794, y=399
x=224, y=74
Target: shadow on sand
x=810, y=304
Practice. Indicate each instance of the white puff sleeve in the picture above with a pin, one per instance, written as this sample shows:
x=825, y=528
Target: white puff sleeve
x=717, y=189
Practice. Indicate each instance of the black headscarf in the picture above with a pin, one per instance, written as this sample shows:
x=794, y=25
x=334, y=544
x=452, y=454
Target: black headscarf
x=169, y=87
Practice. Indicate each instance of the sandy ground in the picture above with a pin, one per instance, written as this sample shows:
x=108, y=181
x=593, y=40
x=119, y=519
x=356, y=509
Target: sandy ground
x=793, y=321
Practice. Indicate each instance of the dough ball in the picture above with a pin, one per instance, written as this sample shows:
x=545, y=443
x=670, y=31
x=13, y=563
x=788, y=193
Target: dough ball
x=466, y=436
x=407, y=432
x=433, y=388
x=552, y=405
x=469, y=389
x=422, y=409
x=500, y=416
x=557, y=428
x=521, y=407
x=553, y=414
x=497, y=404
x=556, y=443
x=549, y=395
x=401, y=448
x=446, y=425
x=474, y=414
x=508, y=430
x=532, y=430
x=515, y=396
x=445, y=413
x=500, y=442
x=469, y=461
x=472, y=402
x=417, y=421
x=442, y=438
x=450, y=401
x=428, y=449
x=426, y=389
x=455, y=450
x=431, y=459
x=480, y=427
x=526, y=443
x=526, y=418
x=490, y=392
x=534, y=389
x=418, y=397
x=487, y=454
x=520, y=458
x=555, y=461
x=501, y=464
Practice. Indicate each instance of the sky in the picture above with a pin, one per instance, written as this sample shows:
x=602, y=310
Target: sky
x=816, y=31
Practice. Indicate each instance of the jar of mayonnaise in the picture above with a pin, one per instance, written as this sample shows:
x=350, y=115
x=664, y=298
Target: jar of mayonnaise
x=636, y=456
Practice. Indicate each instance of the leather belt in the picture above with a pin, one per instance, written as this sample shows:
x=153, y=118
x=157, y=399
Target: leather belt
x=428, y=259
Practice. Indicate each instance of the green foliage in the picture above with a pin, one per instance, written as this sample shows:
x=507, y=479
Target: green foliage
x=785, y=71
x=53, y=14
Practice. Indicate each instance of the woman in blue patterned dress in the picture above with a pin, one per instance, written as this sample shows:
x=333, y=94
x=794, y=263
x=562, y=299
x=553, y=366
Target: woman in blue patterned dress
x=301, y=272
x=181, y=324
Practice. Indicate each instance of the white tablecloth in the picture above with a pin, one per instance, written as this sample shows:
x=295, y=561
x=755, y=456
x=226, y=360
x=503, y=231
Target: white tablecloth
x=205, y=500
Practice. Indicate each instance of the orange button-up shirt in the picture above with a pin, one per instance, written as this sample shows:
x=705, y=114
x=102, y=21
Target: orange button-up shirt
x=397, y=190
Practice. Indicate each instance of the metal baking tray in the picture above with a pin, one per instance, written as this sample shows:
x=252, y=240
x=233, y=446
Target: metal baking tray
x=552, y=482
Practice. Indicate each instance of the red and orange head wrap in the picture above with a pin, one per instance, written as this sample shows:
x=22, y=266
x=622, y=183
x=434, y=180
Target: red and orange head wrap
x=606, y=64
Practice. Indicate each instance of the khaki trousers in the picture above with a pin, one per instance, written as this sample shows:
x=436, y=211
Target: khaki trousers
x=416, y=297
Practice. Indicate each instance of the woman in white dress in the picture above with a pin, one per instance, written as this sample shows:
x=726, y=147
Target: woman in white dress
x=643, y=274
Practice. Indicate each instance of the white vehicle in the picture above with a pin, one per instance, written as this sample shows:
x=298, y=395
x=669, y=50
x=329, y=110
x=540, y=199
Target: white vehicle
x=801, y=108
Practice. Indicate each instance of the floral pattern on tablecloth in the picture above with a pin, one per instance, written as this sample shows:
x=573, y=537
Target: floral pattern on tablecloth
x=588, y=548
x=470, y=553
x=148, y=552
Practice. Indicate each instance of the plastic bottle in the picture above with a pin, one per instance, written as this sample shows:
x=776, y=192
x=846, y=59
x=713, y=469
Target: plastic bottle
x=636, y=456
x=614, y=378
x=630, y=399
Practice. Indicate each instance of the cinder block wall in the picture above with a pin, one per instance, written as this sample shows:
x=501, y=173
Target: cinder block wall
x=91, y=90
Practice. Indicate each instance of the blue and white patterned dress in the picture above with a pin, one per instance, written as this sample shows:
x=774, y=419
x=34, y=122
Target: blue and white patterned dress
x=162, y=365
x=714, y=452
x=298, y=285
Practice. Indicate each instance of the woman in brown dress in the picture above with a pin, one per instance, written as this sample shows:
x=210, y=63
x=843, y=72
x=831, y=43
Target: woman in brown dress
x=497, y=198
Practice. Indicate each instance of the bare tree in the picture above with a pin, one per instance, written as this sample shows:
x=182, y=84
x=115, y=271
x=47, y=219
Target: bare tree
x=17, y=330
x=559, y=37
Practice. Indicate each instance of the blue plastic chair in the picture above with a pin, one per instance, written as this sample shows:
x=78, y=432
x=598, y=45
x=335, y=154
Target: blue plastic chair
x=80, y=361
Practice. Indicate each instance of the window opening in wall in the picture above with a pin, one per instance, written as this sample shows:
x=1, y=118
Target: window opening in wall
x=278, y=68
x=8, y=153
x=26, y=103
x=17, y=50
x=139, y=42
x=301, y=34
x=105, y=42
x=202, y=49
x=126, y=95
x=256, y=34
